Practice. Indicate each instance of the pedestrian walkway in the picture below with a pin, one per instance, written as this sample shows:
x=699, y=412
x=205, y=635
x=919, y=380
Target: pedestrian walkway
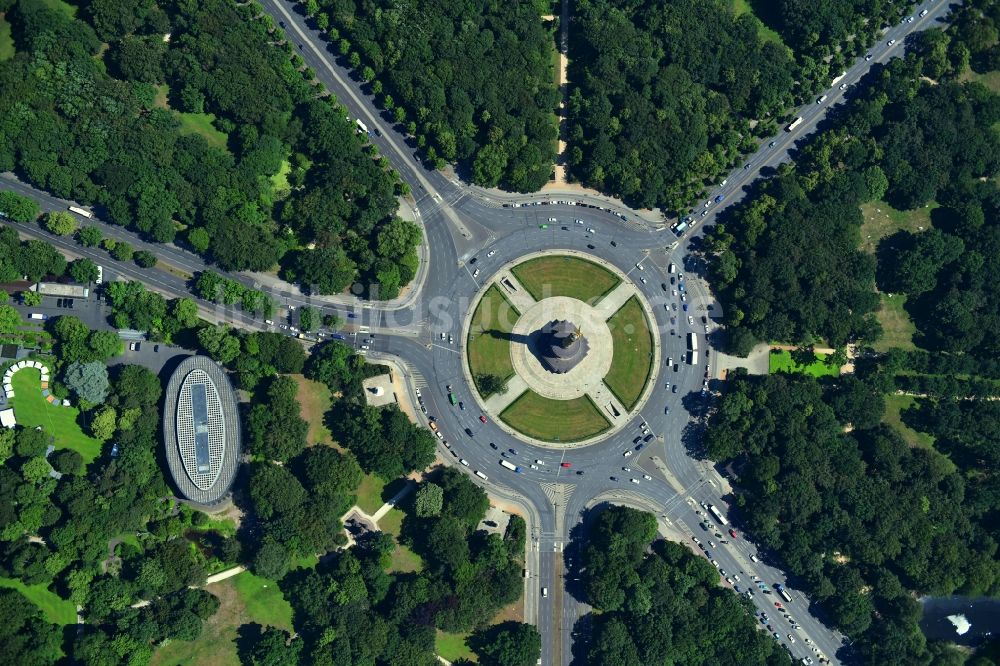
x=515, y=292
x=498, y=402
x=613, y=302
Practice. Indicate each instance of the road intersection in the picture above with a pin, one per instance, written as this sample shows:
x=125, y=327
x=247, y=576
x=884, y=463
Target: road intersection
x=463, y=223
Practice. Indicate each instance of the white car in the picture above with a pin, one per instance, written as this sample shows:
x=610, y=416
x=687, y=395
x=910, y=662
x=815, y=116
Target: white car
x=647, y=477
x=716, y=564
x=464, y=461
x=843, y=86
x=475, y=273
x=890, y=42
x=643, y=280
x=639, y=266
x=869, y=56
x=690, y=320
x=533, y=466
x=923, y=13
x=627, y=454
x=491, y=253
x=552, y=219
x=634, y=480
x=590, y=230
x=539, y=462
x=579, y=221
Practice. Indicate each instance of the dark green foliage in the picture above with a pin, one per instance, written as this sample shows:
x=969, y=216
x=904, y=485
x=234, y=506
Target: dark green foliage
x=507, y=644
x=66, y=461
x=98, y=134
x=26, y=637
x=895, y=513
x=664, y=92
x=663, y=604
x=336, y=365
x=476, y=77
x=383, y=439
x=83, y=270
x=33, y=259
x=31, y=443
x=275, y=647
x=18, y=208
x=144, y=259
x=274, y=427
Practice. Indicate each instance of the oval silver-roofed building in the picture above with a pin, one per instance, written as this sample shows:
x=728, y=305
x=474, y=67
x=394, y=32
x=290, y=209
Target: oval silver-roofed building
x=201, y=430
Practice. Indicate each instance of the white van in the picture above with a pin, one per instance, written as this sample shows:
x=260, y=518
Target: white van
x=545, y=592
x=482, y=476
x=753, y=558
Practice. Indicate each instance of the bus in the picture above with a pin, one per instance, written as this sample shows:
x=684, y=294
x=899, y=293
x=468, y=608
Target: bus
x=693, y=341
x=784, y=593
x=795, y=123
x=81, y=212
x=718, y=515
x=513, y=468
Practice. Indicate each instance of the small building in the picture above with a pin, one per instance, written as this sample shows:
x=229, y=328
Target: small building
x=61, y=290
x=7, y=419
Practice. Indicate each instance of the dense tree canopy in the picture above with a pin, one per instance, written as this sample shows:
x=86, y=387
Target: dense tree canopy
x=473, y=79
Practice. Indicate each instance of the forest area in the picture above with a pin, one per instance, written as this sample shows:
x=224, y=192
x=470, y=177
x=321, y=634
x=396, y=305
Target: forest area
x=864, y=515
x=182, y=139
x=472, y=82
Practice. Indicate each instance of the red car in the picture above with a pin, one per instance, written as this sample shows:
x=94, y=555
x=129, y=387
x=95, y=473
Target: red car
x=733, y=534
x=482, y=418
x=565, y=465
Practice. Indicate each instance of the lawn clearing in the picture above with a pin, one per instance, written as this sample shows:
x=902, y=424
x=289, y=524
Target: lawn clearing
x=632, y=361
x=201, y=123
x=764, y=32
x=31, y=409
x=881, y=220
x=279, y=181
x=565, y=276
x=532, y=415
x=370, y=494
x=56, y=609
x=392, y=522
x=6, y=40
x=780, y=360
x=990, y=79
x=314, y=401
x=894, y=406
x=898, y=328
x=245, y=599
x=452, y=646
x=488, y=349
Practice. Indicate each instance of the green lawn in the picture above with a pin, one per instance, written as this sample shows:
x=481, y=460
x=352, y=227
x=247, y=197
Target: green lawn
x=565, y=276
x=279, y=181
x=990, y=79
x=896, y=323
x=781, y=361
x=881, y=220
x=314, y=401
x=56, y=609
x=6, y=40
x=894, y=406
x=370, y=494
x=201, y=123
x=632, y=362
x=488, y=350
x=452, y=646
x=532, y=415
x=245, y=599
x=31, y=409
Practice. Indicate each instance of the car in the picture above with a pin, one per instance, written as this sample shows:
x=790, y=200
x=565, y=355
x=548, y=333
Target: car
x=627, y=454
x=579, y=472
x=716, y=564
x=869, y=56
x=733, y=533
x=475, y=273
x=539, y=462
x=711, y=543
x=590, y=230
x=647, y=477
x=777, y=604
x=58, y=302
x=638, y=447
x=614, y=478
x=634, y=480
x=746, y=166
x=640, y=267
x=730, y=581
x=591, y=247
x=513, y=450
x=552, y=219
x=670, y=360
x=447, y=386
x=648, y=438
x=643, y=280
x=843, y=86
x=890, y=42
x=626, y=469
x=565, y=464
x=718, y=198
x=776, y=635
x=464, y=461
x=673, y=292
x=491, y=253
x=690, y=320
x=461, y=405
x=494, y=446
x=482, y=418
x=545, y=592
x=468, y=431
x=772, y=144
x=909, y=19
x=533, y=466
x=156, y=348
x=923, y=13
x=473, y=260
x=132, y=346
x=578, y=221
x=450, y=339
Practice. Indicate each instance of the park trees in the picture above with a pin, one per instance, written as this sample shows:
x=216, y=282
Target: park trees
x=25, y=635
x=88, y=380
x=18, y=208
x=61, y=223
x=275, y=429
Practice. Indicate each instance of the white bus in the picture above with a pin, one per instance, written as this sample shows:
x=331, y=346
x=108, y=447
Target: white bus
x=795, y=123
x=693, y=341
x=513, y=468
x=361, y=126
x=718, y=515
x=81, y=212
x=784, y=594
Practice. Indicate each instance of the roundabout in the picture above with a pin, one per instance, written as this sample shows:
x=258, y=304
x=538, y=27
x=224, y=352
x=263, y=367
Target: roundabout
x=560, y=349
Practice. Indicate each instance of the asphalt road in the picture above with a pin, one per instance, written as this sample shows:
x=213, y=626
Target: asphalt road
x=461, y=225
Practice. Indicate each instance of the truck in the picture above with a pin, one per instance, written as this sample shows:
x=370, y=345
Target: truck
x=362, y=128
x=81, y=212
x=510, y=466
x=795, y=123
x=838, y=79
x=718, y=515
x=38, y=315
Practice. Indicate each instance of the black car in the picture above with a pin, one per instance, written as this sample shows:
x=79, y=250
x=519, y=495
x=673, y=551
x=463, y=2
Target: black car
x=663, y=286
x=614, y=244
x=514, y=451
x=637, y=440
x=468, y=431
x=673, y=389
x=579, y=472
x=494, y=446
x=648, y=438
x=589, y=246
x=613, y=478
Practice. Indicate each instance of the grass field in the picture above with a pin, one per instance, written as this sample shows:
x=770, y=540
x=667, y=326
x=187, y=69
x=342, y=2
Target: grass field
x=314, y=401
x=56, y=609
x=990, y=79
x=279, y=181
x=452, y=646
x=896, y=323
x=894, y=406
x=633, y=354
x=781, y=361
x=244, y=599
x=883, y=220
x=565, y=276
x=6, y=40
x=532, y=415
x=488, y=354
x=31, y=409
x=201, y=123
x=370, y=494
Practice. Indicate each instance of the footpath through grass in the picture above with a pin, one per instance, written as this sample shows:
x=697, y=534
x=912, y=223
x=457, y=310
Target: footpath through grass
x=535, y=416
x=56, y=609
x=583, y=280
x=31, y=409
x=632, y=362
x=780, y=360
x=488, y=347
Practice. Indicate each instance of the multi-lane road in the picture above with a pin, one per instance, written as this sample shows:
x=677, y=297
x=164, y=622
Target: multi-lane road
x=461, y=224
